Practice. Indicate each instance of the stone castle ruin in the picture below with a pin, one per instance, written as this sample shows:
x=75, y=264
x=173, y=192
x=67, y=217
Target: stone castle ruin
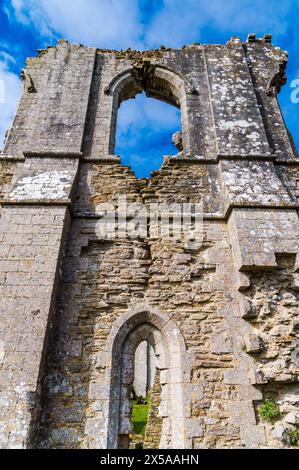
x=222, y=315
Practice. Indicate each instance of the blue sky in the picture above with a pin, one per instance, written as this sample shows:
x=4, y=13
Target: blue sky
x=144, y=125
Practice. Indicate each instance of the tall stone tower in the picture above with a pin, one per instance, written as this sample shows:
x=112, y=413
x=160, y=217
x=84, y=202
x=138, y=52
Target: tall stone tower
x=222, y=315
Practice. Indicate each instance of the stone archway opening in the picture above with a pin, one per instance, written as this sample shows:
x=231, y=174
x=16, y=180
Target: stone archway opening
x=145, y=82
x=165, y=427
x=143, y=350
x=144, y=370
x=146, y=398
x=144, y=133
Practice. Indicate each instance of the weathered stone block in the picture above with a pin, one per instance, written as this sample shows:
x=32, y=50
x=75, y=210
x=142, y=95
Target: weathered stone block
x=99, y=391
x=257, y=377
x=236, y=377
x=253, y=436
x=195, y=427
x=221, y=344
x=253, y=343
x=248, y=309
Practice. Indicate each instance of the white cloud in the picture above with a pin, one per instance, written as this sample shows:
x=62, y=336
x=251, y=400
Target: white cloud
x=9, y=94
x=141, y=111
x=180, y=22
x=122, y=23
x=144, y=131
x=249, y=15
x=104, y=23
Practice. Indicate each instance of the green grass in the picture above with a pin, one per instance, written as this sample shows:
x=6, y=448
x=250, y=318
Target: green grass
x=269, y=411
x=139, y=416
x=294, y=437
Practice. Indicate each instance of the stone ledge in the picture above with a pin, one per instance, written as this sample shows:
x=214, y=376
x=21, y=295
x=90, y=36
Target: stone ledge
x=286, y=207
x=206, y=217
x=286, y=162
x=10, y=158
x=246, y=157
x=188, y=159
x=109, y=159
x=214, y=160
x=43, y=154
x=35, y=202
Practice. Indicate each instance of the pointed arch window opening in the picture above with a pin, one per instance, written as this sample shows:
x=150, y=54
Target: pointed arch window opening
x=137, y=142
x=172, y=377
x=144, y=133
x=144, y=411
x=128, y=429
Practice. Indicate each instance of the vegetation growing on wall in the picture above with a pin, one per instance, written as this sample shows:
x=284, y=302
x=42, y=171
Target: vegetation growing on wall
x=294, y=437
x=269, y=411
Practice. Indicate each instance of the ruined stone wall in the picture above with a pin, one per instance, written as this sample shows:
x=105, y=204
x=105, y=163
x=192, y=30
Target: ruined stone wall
x=144, y=369
x=30, y=244
x=273, y=342
x=154, y=425
x=7, y=170
x=52, y=110
x=141, y=370
x=105, y=279
x=221, y=315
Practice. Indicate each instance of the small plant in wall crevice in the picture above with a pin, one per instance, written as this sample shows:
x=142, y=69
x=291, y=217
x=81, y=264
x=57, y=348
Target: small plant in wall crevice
x=269, y=411
x=293, y=436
